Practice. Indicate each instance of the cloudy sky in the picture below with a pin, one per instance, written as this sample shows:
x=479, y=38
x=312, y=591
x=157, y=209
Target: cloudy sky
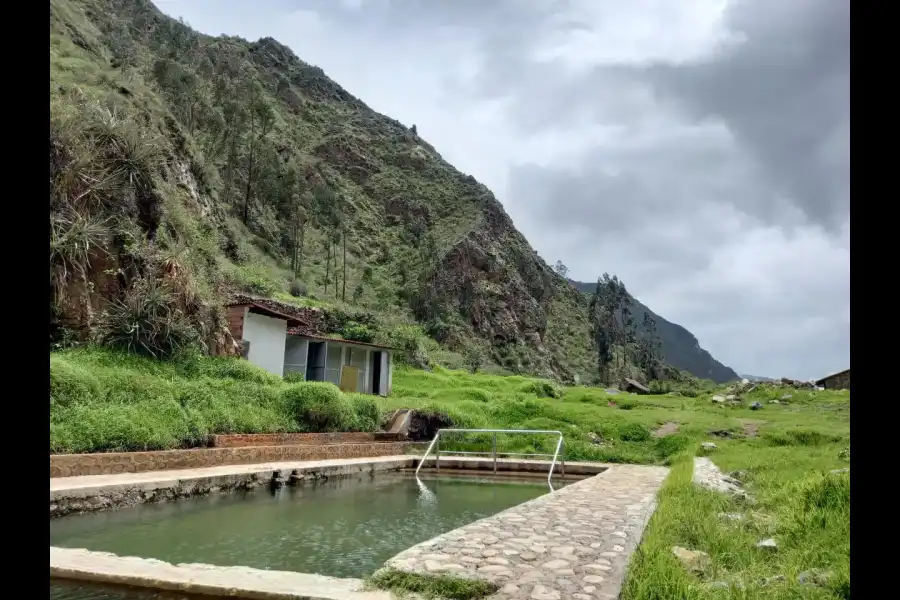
x=699, y=149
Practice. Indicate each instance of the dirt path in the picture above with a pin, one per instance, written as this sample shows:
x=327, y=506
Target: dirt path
x=751, y=427
x=666, y=429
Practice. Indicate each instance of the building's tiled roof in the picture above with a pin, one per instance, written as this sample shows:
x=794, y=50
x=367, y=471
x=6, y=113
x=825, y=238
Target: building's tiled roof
x=299, y=332
x=299, y=318
x=832, y=375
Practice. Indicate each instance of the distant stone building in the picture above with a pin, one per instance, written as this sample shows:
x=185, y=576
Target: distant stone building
x=837, y=381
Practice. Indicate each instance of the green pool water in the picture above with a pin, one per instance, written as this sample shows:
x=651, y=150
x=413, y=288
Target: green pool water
x=69, y=590
x=344, y=527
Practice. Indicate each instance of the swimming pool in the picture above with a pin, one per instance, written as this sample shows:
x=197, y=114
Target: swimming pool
x=345, y=527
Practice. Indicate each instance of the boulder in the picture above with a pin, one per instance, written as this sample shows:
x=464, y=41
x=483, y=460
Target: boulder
x=692, y=560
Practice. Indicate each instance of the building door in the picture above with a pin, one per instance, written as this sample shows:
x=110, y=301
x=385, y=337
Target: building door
x=376, y=372
x=315, y=362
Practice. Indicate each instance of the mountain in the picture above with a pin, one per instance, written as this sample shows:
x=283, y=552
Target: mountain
x=756, y=377
x=184, y=167
x=680, y=347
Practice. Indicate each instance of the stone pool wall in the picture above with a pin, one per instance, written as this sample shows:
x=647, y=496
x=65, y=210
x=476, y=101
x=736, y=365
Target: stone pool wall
x=240, y=440
x=108, y=463
x=76, y=495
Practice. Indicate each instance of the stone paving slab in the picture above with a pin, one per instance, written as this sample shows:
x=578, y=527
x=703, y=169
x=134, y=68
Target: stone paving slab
x=573, y=544
x=208, y=580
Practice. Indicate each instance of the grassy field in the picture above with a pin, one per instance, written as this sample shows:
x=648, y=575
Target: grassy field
x=104, y=401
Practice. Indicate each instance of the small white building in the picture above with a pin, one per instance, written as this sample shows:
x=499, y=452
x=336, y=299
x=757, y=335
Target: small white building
x=281, y=343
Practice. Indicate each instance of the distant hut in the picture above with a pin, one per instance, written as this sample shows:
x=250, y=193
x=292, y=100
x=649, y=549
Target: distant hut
x=630, y=385
x=836, y=381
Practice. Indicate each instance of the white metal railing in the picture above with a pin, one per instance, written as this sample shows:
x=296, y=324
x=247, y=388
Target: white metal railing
x=435, y=444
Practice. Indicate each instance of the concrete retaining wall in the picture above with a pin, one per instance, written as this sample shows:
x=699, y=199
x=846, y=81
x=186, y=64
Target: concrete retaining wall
x=70, y=495
x=71, y=465
x=240, y=440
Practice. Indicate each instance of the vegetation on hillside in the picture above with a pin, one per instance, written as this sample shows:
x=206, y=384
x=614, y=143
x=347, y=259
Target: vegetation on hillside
x=678, y=346
x=184, y=165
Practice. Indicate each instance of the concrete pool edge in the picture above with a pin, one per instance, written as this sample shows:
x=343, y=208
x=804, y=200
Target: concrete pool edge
x=91, y=493
x=76, y=564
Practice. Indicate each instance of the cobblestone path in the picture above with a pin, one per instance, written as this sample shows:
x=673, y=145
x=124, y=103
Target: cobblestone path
x=573, y=544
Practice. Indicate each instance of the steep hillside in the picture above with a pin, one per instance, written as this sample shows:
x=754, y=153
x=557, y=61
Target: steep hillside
x=245, y=167
x=185, y=166
x=680, y=347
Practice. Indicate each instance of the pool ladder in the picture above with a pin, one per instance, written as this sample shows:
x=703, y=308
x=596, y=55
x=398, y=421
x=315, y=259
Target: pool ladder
x=435, y=444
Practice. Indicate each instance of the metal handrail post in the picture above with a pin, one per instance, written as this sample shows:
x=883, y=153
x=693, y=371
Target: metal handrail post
x=553, y=464
x=558, y=454
x=562, y=459
x=427, y=452
x=494, y=451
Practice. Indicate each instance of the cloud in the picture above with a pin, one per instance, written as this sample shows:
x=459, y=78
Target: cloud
x=699, y=150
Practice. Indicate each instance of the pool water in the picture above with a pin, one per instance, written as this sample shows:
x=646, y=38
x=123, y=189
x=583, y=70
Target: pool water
x=344, y=527
x=70, y=590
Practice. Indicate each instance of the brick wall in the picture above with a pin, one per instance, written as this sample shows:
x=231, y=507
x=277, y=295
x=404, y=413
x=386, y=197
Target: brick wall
x=236, y=321
x=70, y=465
x=240, y=440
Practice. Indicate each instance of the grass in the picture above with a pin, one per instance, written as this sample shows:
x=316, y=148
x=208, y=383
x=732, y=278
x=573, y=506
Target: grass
x=430, y=586
x=799, y=503
x=105, y=401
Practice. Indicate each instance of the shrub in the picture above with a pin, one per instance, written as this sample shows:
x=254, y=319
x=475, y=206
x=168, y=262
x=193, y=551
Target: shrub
x=416, y=346
x=147, y=321
x=253, y=279
x=298, y=289
x=358, y=332
x=541, y=388
x=626, y=404
x=221, y=367
x=319, y=406
x=473, y=357
x=294, y=377
x=368, y=416
x=826, y=492
x=668, y=445
x=633, y=432
x=800, y=437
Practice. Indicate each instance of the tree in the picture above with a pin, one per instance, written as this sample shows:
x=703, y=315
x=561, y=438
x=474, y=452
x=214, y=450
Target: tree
x=474, y=357
x=602, y=322
x=327, y=243
x=299, y=223
x=261, y=122
x=561, y=269
x=344, y=264
x=649, y=352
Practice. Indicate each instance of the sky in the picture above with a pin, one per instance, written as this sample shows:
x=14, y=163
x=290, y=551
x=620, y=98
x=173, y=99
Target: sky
x=698, y=149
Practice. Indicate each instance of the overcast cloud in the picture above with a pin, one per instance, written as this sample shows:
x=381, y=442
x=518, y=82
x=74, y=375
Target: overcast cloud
x=699, y=149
